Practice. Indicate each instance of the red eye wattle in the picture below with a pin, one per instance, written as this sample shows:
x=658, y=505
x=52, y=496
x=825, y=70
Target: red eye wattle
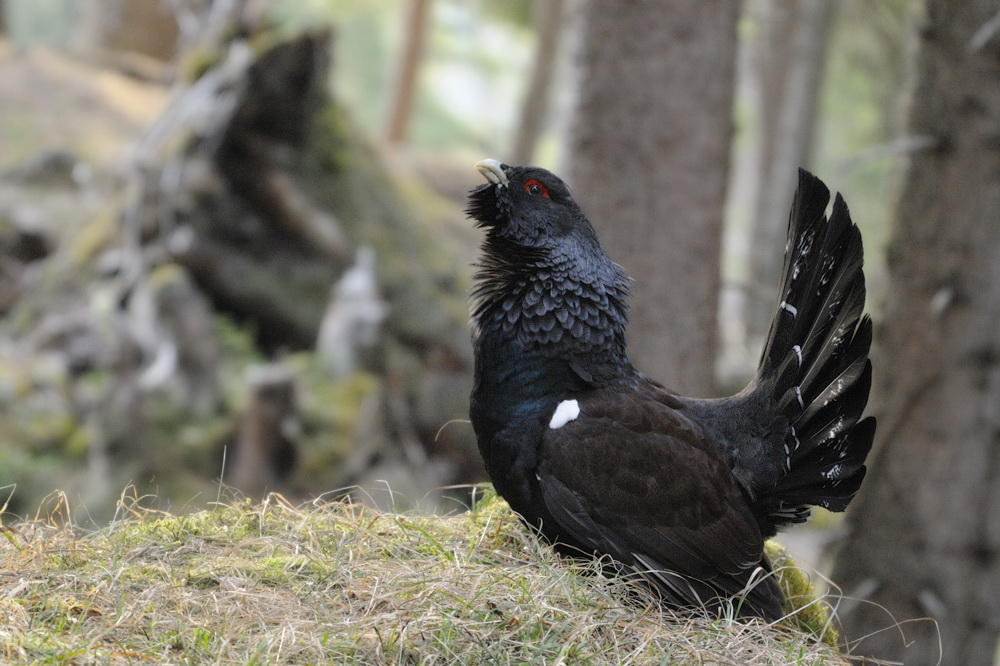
x=535, y=187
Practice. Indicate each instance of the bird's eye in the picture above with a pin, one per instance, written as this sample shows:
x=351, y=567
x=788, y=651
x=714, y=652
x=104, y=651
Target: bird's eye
x=536, y=187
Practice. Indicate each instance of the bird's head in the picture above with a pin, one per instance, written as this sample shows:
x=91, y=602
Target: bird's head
x=528, y=206
x=544, y=278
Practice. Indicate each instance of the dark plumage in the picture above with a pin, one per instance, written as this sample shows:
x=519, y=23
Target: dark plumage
x=605, y=461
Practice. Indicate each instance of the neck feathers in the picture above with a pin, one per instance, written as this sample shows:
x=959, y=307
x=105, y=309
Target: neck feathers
x=560, y=307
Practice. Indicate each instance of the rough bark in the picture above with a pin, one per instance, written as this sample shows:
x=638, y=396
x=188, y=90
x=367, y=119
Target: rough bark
x=925, y=531
x=650, y=156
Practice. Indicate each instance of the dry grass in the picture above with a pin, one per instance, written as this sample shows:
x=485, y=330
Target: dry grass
x=331, y=582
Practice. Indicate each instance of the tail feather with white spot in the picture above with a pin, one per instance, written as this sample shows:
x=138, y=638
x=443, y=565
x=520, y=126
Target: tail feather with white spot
x=815, y=360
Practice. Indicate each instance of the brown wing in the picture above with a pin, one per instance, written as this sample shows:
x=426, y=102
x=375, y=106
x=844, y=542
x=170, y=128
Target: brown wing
x=635, y=479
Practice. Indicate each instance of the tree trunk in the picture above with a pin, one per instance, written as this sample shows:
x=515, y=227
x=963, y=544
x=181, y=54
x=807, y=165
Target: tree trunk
x=650, y=156
x=409, y=69
x=791, y=73
x=925, y=531
x=549, y=27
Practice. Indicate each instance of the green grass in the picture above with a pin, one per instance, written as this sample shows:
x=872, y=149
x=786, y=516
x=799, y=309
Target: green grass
x=334, y=582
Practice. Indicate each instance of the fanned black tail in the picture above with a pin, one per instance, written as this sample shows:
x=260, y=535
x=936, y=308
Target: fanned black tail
x=816, y=360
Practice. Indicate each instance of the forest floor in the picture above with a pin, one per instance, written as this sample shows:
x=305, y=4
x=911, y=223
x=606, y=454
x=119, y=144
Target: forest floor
x=340, y=583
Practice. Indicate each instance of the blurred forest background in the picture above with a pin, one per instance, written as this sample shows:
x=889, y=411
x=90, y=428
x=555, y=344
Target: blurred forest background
x=232, y=246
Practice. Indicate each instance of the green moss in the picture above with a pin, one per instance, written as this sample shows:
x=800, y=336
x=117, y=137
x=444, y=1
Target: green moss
x=415, y=233
x=37, y=416
x=196, y=62
x=198, y=439
x=78, y=441
x=329, y=412
x=339, y=583
x=165, y=276
x=97, y=234
x=239, y=351
x=822, y=519
x=806, y=612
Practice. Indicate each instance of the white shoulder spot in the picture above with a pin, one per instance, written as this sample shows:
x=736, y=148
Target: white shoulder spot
x=566, y=411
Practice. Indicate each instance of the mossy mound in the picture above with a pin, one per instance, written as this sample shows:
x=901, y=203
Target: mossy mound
x=337, y=582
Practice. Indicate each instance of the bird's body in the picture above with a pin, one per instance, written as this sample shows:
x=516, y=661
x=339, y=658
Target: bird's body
x=605, y=461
